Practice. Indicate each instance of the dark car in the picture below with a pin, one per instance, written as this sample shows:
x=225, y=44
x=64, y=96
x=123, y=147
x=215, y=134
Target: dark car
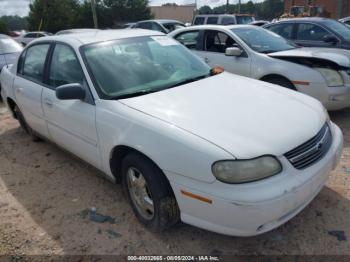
x=161, y=25
x=9, y=51
x=313, y=32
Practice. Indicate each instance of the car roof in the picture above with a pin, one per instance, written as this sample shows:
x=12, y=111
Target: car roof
x=83, y=38
x=305, y=19
x=227, y=27
x=162, y=21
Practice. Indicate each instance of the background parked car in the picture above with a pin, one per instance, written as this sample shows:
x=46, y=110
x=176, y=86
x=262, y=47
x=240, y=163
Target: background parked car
x=258, y=53
x=76, y=30
x=9, y=51
x=26, y=38
x=345, y=20
x=260, y=23
x=313, y=32
x=223, y=19
x=161, y=25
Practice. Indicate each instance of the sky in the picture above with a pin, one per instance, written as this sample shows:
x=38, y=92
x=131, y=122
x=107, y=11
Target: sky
x=21, y=7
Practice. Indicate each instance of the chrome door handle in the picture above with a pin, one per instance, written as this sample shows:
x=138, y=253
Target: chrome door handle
x=48, y=102
x=206, y=59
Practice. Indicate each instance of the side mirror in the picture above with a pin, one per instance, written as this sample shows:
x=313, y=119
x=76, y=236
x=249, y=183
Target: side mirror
x=233, y=51
x=330, y=39
x=70, y=92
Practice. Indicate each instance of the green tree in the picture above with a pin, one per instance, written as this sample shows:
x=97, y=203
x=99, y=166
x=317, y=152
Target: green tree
x=3, y=28
x=53, y=15
x=205, y=10
x=15, y=23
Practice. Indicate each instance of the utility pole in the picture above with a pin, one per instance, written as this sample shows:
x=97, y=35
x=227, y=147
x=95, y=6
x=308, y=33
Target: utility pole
x=227, y=4
x=94, y=15
x=239, y=6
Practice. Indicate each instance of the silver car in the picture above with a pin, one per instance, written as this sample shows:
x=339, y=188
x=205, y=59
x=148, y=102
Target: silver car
x=9, y=51
x=261, y=54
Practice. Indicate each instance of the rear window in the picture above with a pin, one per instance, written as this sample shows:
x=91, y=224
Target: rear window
x=199, y=21
x=212, y=20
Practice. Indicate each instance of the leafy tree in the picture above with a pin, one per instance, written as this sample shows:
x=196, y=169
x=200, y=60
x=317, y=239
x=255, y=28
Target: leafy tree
x=3, y=28
x=205, y=10
x=15, y=23
x=169, y=4
x=53, y=15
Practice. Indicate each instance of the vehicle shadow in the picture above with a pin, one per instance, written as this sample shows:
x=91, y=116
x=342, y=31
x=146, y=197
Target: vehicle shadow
x=43, y=189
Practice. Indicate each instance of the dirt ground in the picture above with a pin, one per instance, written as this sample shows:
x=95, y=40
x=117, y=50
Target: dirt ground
x=45, y=194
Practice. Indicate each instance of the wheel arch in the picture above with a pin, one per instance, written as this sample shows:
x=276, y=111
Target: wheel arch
x=11, y=103
x=265, y=78
x=117, y=155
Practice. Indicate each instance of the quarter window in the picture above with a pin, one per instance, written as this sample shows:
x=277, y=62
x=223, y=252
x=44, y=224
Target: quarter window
x=34, y=62
x=311, y=32
x=65, y=67
x=188, y=39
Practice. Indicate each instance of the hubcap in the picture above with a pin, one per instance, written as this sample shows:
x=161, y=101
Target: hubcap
x=139, y=193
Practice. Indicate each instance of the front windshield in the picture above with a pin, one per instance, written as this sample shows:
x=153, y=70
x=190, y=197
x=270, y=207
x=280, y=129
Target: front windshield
x=244, y=19
x=262, y=40
x=339, y=28
x=141, y=65
x=8, y=45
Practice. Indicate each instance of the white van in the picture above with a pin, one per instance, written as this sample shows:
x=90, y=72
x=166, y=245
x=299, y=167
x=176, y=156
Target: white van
x=225, y=19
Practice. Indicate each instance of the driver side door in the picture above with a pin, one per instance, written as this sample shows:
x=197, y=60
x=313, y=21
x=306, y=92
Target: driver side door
x=71, y=123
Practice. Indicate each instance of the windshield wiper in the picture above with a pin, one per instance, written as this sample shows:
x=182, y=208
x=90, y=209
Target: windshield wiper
x=134, y=94
x=188, y=80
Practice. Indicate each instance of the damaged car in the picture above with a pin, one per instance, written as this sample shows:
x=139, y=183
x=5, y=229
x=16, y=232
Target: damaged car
x=261, y=54
x=215, y=150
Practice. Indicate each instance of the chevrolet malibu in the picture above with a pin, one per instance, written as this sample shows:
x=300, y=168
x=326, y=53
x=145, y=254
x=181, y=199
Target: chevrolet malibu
x=218, y=151
x=258, y=53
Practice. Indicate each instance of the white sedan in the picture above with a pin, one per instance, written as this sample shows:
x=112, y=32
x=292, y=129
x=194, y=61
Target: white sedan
x=218, y=151
x=261, y=54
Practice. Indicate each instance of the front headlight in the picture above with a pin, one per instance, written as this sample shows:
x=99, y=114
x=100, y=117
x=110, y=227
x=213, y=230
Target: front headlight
x=242, y=171
x=332, y=77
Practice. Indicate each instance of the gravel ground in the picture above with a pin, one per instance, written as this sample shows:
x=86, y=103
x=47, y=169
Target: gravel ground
x=45, y=194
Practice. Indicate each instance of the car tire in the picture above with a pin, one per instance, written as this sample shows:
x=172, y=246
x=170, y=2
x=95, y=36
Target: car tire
x=149, y=193
x=24, y=124
x=281, y=82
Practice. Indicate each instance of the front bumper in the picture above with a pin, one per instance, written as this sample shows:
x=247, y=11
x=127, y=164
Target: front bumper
x=254, y=208
x=332, y=98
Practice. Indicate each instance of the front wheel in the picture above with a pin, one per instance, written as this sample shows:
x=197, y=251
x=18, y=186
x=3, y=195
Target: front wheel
x=281, y=82
x=149, y=193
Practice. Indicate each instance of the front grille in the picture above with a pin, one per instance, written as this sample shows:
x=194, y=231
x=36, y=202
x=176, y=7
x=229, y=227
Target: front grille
x=312, y=150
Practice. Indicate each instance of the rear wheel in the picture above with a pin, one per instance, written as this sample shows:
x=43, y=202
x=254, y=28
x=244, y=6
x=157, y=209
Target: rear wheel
x=149, y=192
x=281, y=82
x=24, y=124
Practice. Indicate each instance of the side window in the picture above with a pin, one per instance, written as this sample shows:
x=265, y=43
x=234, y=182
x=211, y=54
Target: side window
x=157, y=27
x=188, y=39
x=212, y=20
x=284, y=30
x=144, y=25
x=65, y=67
x=216, y=41
x=228, y=20
x=34, y=62
x=199, y=21
x=311, y=32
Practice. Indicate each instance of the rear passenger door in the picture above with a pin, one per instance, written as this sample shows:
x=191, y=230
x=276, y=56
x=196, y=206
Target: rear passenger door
x=71, y=123
x=310, y=35
x=28, y=85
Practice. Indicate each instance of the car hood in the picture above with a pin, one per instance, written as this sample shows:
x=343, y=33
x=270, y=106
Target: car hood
x=11, y=58
x=245, y=117
x=339, y=56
